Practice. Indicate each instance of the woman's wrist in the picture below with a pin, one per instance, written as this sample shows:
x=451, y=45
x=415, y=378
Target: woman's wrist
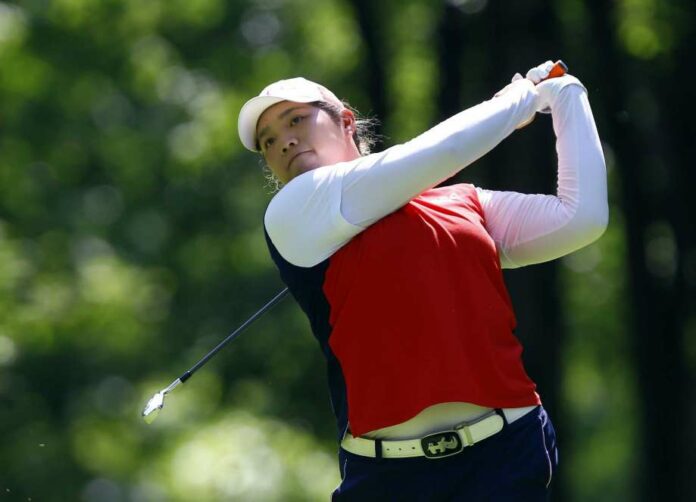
x=549, y=90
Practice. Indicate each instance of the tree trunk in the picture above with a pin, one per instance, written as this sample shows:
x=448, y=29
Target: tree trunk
x=368, y=15
x=652, y=212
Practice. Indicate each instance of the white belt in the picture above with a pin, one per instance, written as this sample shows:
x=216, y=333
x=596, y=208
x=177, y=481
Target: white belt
x=436, y=445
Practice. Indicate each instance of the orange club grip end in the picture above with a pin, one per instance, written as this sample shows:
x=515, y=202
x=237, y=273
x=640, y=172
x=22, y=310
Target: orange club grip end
x=559, y=69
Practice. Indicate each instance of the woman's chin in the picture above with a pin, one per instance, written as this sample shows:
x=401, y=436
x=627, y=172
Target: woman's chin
x=303, y=167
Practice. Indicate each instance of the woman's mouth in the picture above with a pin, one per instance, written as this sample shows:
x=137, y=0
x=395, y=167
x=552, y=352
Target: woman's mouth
x=295, y=157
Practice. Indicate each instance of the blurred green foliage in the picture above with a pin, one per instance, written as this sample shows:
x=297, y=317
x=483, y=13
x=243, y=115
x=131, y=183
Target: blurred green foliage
x=131, y=243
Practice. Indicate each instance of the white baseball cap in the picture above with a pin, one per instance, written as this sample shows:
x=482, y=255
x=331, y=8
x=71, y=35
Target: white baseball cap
x=298, y=90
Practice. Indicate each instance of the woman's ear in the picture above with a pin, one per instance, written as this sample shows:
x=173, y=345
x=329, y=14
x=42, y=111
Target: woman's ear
x=348, y=120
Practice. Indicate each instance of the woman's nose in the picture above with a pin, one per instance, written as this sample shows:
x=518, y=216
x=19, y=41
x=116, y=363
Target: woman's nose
x=291, y=142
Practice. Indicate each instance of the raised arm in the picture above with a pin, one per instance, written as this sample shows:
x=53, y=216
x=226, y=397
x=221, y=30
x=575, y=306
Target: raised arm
x=532, y=228
x=319, y=211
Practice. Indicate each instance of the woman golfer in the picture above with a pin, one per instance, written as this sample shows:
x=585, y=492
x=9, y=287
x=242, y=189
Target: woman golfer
x=403, y=288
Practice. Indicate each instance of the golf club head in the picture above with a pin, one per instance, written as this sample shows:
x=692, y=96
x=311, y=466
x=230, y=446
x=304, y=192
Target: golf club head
x=153, y=406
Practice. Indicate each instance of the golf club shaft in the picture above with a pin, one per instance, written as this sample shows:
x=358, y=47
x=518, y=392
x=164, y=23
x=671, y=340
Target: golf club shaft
x=232, y=336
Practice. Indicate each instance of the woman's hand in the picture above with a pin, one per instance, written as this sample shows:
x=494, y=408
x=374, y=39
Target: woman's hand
x=546, y=70
x=541, y=76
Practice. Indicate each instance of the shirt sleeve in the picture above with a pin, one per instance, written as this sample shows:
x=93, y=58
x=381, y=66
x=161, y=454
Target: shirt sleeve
x=534, y=228
x=318, y=212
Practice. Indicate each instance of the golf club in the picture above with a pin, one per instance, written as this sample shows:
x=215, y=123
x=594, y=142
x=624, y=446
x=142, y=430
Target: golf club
x=156, y=402
x=559, y=69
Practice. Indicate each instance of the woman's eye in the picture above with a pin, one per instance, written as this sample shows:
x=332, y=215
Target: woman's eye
x=268, y=143
x=296, y=120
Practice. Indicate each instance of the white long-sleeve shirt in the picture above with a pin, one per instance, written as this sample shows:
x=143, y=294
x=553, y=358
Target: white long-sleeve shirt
x=318, y=212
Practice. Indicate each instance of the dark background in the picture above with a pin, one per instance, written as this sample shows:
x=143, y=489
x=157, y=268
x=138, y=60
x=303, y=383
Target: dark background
x=131, y=238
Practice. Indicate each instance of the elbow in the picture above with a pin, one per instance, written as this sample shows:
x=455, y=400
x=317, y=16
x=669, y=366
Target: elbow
x=594, y=224
x=600, y=221
x=290, y=250
x=597, y=230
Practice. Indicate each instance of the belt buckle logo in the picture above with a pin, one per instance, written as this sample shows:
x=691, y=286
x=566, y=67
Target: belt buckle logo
x=442, y=444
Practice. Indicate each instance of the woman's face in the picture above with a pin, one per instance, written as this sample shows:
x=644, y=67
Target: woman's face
x=297, y=137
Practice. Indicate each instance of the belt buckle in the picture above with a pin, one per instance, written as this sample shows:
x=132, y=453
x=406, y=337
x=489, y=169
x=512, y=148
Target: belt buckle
x=441, y=444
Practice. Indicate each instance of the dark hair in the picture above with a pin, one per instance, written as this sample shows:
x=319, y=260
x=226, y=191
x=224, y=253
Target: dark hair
x=364, y=136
